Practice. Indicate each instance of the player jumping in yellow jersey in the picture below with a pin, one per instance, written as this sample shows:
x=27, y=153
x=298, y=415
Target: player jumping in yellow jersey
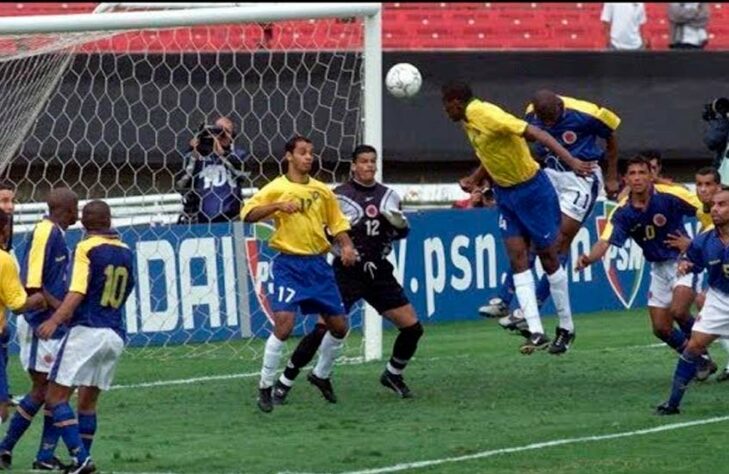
x=527, y=201
x=301, y=207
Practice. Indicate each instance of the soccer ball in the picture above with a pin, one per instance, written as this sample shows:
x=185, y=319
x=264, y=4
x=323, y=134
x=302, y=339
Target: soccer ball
x=403, y=80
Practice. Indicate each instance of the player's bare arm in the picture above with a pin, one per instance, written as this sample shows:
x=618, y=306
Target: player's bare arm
x=349, y=254
x=596, y=253
x=612, y=181
x=61, y=315
x=580, y=167
x=678, y=241
x=474, y=180
x=35, y=301
x=263, y=212
x=684, y=267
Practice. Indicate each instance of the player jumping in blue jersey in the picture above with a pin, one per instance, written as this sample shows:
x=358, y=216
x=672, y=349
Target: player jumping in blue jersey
x=101, y=281
x=578, y=126
x=648, y=215
x=706, y=252
x=44, y=267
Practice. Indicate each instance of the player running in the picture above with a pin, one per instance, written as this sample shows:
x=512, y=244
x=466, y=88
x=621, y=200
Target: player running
x=527, y=202
x=649, y=215
x=577, y=125
x=44, y=267
x=374, y=213
x=301, y=208
x=706, y=252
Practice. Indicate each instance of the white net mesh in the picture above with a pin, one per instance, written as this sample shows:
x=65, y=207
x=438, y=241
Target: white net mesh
x=112, y=116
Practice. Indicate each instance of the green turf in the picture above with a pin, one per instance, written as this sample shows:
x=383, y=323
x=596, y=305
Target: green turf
x=475, y=393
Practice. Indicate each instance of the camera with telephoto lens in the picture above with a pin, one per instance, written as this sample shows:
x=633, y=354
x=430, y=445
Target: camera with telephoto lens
x=717, y=108
x=205, y=138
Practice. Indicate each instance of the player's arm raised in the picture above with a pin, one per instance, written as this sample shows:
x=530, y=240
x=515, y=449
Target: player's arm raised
x=580, y=167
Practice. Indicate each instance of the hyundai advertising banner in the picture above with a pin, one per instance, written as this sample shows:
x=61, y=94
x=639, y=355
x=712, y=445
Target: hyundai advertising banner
x=204, y=283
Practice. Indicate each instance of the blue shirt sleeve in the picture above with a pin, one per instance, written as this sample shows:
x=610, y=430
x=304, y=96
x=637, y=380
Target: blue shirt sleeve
x=695, y=255
x=599, y=128
x=620, y=232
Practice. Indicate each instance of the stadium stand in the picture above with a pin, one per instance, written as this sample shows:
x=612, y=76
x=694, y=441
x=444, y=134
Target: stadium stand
x=431, y=26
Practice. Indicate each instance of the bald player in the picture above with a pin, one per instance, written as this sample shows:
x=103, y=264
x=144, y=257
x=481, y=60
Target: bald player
x=44, y=267
x=527, y=201
x=102, y=278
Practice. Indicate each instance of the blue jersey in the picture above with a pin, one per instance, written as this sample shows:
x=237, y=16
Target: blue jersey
x=578, y=129
x=44, y=265
x=215, y=184
x=649, y=227
x=103, y=273
x=708, y=252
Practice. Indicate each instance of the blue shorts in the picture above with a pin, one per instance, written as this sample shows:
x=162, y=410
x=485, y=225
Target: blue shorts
x=306, y=283
x=530, y=210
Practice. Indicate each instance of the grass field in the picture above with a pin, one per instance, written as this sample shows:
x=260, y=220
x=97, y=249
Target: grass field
x=475, y=395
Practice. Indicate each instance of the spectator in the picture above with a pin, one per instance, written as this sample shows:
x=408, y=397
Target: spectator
x=212, y=178
x=623, y=26
x=716, y=135
x=688, y=25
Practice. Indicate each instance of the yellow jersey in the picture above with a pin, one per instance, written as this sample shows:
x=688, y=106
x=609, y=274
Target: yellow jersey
x=302, y=232
x=12, y=293
x=497, y=138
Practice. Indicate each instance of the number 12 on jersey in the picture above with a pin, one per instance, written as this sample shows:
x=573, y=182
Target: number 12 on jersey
x=115, y=287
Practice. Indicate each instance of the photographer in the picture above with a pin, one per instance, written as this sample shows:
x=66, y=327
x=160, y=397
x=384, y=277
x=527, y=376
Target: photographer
x=716, y=137
x=212, y=178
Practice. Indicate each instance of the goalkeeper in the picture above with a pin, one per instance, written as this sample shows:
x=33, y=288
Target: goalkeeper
x=374, y=213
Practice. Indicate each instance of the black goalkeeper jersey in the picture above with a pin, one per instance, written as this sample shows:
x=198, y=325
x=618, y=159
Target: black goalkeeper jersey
x=372, y=234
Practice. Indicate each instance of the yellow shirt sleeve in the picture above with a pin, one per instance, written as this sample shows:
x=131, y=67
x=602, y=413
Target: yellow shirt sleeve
x=80, y=272
x=337, y=222
x=485, y=118
x=12, y=293
x=266, y=195
x=37, y=255
x=608, y=117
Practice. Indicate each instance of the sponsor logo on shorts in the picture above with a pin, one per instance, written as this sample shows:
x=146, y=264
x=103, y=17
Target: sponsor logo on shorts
x=659, y=220
x=569, y=137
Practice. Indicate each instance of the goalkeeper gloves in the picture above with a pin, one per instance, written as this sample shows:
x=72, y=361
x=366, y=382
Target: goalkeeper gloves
x=396, y=218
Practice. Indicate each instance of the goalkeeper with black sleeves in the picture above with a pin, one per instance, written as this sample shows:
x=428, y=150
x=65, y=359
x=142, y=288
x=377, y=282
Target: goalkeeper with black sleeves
x=374, y=214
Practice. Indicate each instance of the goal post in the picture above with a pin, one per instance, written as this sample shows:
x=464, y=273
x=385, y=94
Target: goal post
x=79, y=119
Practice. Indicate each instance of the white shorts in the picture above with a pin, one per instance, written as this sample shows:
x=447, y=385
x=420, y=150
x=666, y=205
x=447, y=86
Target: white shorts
x=664, y=279
x=577, y=195
x=36, y=354
x=714, y=316
x=88, y=356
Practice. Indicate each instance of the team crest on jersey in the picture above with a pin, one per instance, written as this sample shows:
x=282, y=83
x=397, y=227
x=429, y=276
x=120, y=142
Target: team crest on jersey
x=659, y=220
x=569, y=137
x=259, y=267
x=623, y=267
x=371, y=211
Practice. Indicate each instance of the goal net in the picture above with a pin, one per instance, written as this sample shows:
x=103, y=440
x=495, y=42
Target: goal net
x=112, y=114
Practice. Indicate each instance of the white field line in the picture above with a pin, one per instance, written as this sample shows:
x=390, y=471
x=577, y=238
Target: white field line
x=533, y=446
x=347, y=361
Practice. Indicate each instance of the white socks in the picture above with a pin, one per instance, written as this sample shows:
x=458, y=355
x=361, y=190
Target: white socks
x=329, y=350
x=725, y=344
x=525, y=294
x=559, y=288
x=271, y=359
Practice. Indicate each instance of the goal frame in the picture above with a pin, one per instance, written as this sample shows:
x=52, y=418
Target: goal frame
x=192, y=14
